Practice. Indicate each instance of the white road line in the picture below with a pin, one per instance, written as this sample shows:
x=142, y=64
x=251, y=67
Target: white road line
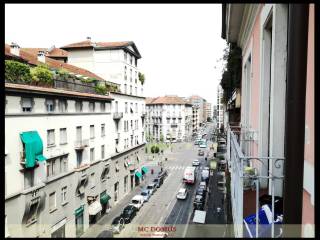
x=187, y=224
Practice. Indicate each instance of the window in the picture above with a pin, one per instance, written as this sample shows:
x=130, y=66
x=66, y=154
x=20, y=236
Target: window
x=50, y=137
x=92, y=180
x=52, y=201
x=62, y=105
x=130, y=89
x=131, y=75
x=131, y=124
x=125, y=72
x=63, y=164
x=126, y=107
x=125, y=88
x=52, y=167
x=91, y=131
x=33, y=211
x=125, y=56
x=26, y=104
x=91, y=154
x=136, y=108
x=131, y=107
x=64, y=194
x=102, y=151
x=125, y=183
x=105, y=172
x=136, y=60
x=50, y=105
x=116, y=105
x=131, y=140
x=103, y=130
x=28, y=178
x=78, y=106
x=131, y=59
x=102, y=107
x=179, y=120
x=63, y=135
x=168, y=120
x=136, y=90
x=91, y=106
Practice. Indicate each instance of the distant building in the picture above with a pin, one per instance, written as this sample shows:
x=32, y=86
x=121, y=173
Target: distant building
x=220, y=108
x=169, y=118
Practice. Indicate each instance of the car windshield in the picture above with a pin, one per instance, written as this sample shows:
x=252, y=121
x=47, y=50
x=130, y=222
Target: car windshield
x=150, y=187
x=116, y=220
x=144, y=194
x=135, y=201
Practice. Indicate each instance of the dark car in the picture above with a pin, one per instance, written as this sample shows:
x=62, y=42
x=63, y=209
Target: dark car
x=117, y=224
x=163, y=174
x=201, y=192
x=200, y=152
x=158, y=181
x=198, y=202
x=129, y=212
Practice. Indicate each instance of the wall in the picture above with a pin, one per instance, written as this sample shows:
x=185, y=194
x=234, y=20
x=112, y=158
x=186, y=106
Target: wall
x=308, y=184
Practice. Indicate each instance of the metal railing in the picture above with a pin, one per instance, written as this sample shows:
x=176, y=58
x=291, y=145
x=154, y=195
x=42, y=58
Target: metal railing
x=81, y=144
x=117, y=115
x=237, y=163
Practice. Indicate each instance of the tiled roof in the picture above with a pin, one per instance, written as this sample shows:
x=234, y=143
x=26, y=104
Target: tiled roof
x=55, y=52
x=88, y=43
x=55, y=91
x=33, y=59
x=169, y=99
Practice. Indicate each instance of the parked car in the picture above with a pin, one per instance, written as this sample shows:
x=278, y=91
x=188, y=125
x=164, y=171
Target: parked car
x=182, y=194
x=117, y=224
x=198, y=202
x=195, y=162
x=203, y=185
x=137, y=201
x=206, y=168
x=152, y=187
x=205, y=175
x=200, y=152
x=146, y=194
x=201, y=192
x=174, y=141
x=158, y=181
x=129, y=212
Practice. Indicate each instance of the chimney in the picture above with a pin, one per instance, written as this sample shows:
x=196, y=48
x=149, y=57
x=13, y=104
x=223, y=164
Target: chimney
x=89, y=38
x=41, y=56
x=14, y=49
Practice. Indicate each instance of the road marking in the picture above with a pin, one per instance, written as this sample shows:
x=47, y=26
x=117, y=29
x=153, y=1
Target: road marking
x=187, y=224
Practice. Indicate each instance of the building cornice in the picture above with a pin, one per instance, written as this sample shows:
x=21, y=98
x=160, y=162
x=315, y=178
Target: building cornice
x=128, y=95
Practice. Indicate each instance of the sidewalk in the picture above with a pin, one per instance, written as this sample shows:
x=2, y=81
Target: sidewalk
x=105, y=222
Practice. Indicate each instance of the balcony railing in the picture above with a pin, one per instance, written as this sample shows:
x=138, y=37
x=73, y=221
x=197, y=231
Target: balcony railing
x=143, y=114
x=240, y=179
x=117, y=115
x=81, y=144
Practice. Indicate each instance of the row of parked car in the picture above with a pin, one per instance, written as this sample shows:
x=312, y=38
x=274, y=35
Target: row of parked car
x=130, y=211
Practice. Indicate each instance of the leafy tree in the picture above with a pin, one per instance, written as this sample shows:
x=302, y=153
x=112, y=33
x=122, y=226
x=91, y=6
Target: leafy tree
x=17, y=71
x=42, y=74
x=141, y=78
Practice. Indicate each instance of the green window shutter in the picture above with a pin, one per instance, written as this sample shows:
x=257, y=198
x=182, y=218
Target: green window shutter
x=144, y=169
x=33, y=148
x=79, y=211
x=138, y=174
x=104, y=198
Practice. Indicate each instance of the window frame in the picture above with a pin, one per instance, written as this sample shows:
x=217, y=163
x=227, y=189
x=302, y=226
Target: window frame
x=49, y=144
x=52, y=208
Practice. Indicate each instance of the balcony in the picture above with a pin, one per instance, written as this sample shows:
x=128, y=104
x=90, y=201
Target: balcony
x=143, y=114
x=81, y=144
x=251, y=177
x=117, y=115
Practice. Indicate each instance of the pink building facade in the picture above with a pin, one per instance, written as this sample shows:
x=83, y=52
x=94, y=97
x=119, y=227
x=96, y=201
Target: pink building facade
x=260, y=30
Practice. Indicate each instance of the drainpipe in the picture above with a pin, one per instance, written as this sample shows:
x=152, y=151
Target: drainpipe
x=295, y=117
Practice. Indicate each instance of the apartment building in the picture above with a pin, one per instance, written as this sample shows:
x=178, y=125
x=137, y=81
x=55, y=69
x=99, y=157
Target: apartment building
x=63, y=165
x=220, y=107
x=209, y=110
x=169, y=118
x=200, y=103
x=271, y=36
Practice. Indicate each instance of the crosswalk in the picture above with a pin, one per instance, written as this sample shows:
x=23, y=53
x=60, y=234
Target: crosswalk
x=176, y=167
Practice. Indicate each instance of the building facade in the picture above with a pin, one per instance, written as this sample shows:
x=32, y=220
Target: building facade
x=169, y=118
x=261, y=31
x=220, y=107
x=209, y=110
x=200, y=102
x=68, y=158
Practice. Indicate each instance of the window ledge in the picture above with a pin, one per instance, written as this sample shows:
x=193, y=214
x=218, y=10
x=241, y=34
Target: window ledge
x=53, y=210
x=63, y=143
x=51, y=146
x=64, y=203
x=32, y=222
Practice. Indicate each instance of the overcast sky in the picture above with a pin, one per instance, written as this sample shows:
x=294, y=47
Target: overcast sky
x=179, y=43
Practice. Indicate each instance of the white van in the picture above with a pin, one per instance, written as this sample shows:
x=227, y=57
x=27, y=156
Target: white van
x=189, y=175
x=137, y=201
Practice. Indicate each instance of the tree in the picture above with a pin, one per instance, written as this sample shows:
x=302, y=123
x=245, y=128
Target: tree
x=141, y=78
x=161, y=137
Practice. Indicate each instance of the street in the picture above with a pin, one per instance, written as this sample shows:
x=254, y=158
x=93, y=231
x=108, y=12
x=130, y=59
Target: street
x=163, y=212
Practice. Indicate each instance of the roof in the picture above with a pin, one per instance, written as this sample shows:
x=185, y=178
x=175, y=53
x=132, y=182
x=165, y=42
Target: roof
x=50, y=52
x=45, y=90
x=31, y=58
x=169, y=99
x=103, y=45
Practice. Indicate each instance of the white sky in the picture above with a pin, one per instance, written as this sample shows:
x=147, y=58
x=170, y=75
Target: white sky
x=179, y=43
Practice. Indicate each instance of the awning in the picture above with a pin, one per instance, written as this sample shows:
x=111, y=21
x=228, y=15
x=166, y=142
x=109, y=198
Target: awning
x=213, y=164
x=144, y=169
x=79, y=211
x=94, y=208
x=33, y=148
x=104, y=198
x=138, y=174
